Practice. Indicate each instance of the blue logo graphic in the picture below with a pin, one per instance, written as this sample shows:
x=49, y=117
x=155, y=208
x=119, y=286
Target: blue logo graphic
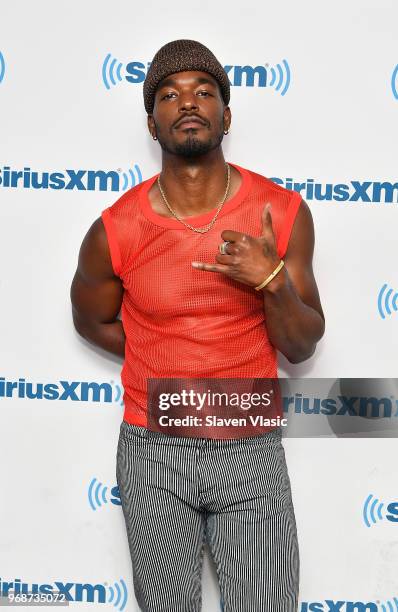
x=394, y=82
x=280, y=76
x=81, y=180
x=330, y=605
x=390, y=606
x=118, y=595
x=113, y=72
x=373, y=511
x=129, y=179
x=115, y=594
x=119, y=393
x=98, y=495
x=342, y=405
x=63, y=390
x=385, y=302
x=2, y=67
x=371, y=192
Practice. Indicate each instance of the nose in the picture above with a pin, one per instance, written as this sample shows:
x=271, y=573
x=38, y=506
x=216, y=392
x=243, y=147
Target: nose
x=187, y=101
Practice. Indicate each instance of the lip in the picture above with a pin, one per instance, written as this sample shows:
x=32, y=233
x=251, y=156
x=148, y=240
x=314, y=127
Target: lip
x=190, y=122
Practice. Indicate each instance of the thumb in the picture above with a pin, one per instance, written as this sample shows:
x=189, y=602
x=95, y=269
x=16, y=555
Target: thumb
x=266, y=220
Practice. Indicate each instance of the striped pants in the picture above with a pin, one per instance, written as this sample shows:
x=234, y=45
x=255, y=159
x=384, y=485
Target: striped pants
x=177, y=491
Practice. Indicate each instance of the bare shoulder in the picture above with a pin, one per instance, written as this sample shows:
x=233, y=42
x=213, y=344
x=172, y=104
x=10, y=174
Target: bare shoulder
x=94, y=256
x=95, y=237
x=302, y=238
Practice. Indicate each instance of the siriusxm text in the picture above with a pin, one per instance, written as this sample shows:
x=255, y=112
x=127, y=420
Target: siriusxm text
x=238, y=76
x=74, y=390
x=354, y=191
x=72, y=591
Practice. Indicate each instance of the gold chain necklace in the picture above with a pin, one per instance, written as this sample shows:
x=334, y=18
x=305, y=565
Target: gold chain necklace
x=206, y=228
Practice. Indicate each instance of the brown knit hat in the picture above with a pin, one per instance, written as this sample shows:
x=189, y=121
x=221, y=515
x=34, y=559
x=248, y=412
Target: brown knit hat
x=180, y=55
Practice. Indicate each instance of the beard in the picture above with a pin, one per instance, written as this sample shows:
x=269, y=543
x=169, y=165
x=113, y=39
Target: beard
x=192, y=146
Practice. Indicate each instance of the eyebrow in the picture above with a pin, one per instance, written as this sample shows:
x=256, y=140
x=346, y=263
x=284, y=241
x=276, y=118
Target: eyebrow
x=168, y=82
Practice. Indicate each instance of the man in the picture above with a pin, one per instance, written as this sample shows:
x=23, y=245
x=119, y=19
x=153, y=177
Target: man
x=193, y=258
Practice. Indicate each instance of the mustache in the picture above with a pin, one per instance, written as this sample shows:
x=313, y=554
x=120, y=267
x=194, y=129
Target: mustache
x=201, y=120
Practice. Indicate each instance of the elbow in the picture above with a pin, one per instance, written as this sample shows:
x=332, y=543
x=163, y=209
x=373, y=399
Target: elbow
x=299, y=357
x=78, y=324
x=305, y=347
x=302, y=353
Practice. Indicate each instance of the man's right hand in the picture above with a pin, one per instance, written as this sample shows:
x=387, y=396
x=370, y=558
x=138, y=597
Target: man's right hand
x=96, y=293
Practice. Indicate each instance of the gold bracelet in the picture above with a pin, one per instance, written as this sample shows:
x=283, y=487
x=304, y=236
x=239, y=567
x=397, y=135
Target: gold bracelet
x=271, y=276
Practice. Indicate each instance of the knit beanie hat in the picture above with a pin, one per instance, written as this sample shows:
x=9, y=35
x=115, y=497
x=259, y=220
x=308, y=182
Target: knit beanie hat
x=178, y=56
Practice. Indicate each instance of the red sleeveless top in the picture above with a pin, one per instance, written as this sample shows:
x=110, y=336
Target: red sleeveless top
x=181, y=322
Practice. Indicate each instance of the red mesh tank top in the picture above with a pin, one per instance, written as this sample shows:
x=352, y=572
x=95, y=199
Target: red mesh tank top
x=181, y=322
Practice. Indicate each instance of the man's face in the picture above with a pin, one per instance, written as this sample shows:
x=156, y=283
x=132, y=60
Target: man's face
x=189, y=115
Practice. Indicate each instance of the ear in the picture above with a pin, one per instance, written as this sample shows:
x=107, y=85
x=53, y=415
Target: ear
x=227, y=117
x=151, y=125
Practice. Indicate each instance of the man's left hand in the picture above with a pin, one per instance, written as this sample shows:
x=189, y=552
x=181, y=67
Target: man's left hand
x=250, y=260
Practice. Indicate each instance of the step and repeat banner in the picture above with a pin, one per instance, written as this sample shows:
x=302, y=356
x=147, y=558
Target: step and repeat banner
x=314, y=100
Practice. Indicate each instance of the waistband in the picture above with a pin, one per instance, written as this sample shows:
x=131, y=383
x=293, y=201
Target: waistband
x=129, y=431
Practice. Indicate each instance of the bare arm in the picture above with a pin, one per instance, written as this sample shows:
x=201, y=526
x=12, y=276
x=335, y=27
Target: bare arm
x=294, y=316
x=96, y=293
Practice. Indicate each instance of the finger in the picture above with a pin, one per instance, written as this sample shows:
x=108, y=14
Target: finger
x=231, y=249
x=199, y=265
x=266, y=220
x=231, y=235
x=226, y=260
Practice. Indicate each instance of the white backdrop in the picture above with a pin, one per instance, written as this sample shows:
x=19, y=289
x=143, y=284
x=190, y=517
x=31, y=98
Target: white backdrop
x=329, y=117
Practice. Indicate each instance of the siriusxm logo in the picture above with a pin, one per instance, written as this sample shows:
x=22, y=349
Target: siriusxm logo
x=387, y=299
x=2, y=67
x=71, y=591
x=394, y=82
x=80, y=180
x=342, y=406
x=278, y=77
x=98, y=495
x=75, y=390
x=373, y=511
x=354, y=191
x=329, y=605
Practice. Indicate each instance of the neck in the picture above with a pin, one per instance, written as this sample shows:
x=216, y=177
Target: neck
x=194, y=186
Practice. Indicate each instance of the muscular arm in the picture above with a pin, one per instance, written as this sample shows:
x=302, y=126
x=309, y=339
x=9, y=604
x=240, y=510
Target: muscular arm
x=96, y=293
x=294, y=317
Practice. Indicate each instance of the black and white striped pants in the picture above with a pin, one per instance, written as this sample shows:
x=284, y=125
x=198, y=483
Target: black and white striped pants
x=176, y=491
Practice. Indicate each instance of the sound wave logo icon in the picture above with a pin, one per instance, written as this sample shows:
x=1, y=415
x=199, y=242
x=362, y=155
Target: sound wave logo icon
x=394, y=82
x=280, y=77
x=118, y=397
x=111, y=71
x=386, y=301
x=98, y=494
x=372, y=511
x=131, y=178
x=390, y=606
x=118, y=595
x=2, y=67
